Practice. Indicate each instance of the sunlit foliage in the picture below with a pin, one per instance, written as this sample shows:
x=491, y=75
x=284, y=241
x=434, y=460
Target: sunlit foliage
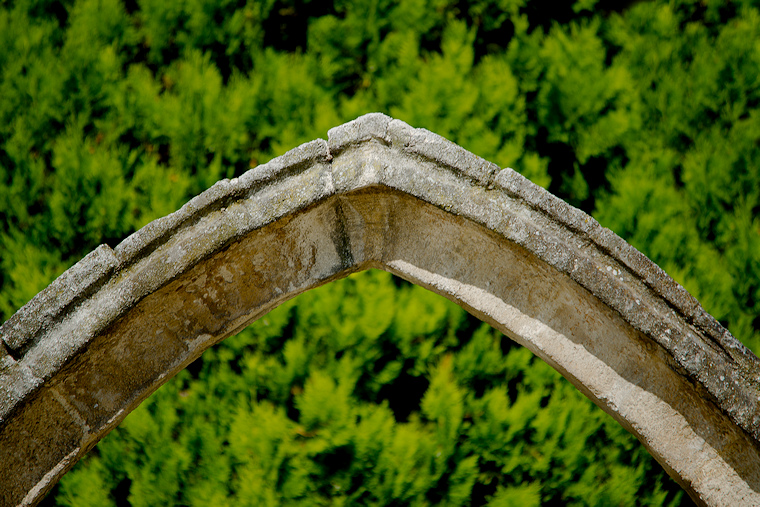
x=116, y=112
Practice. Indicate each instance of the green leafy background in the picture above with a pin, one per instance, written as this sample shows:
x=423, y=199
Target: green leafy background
x=370, y=391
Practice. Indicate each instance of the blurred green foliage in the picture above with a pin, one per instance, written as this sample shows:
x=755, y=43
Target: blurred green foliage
x=116, y=112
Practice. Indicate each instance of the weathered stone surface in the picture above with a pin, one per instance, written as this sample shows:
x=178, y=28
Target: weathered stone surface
x=77, y=282
x=36, y=446
x=18, y=383
x=379, y=193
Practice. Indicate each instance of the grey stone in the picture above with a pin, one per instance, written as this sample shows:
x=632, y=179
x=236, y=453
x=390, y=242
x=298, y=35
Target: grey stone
x=84, y=277
x=369, y=126
x=381, y=194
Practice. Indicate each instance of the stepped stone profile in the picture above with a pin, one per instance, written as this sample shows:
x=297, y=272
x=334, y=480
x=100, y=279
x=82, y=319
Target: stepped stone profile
x=379, y=194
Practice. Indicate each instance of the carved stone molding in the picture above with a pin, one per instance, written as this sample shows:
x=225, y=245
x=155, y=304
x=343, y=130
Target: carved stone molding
x=379, y=194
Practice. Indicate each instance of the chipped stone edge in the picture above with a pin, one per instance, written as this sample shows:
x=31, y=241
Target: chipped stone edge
x=89, y=274
x=75, y=284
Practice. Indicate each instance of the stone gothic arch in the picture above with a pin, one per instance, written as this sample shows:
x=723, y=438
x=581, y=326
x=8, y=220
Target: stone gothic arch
x=379, y=194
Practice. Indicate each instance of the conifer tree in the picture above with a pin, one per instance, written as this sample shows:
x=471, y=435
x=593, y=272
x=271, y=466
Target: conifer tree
x=114, y=113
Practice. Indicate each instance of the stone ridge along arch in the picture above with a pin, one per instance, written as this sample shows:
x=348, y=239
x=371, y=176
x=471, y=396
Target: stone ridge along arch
x=379, y=194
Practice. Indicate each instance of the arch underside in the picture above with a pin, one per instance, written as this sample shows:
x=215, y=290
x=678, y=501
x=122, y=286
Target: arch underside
x=379, y=195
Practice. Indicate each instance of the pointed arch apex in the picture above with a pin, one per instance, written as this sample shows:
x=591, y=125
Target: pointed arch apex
x=379, y=193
